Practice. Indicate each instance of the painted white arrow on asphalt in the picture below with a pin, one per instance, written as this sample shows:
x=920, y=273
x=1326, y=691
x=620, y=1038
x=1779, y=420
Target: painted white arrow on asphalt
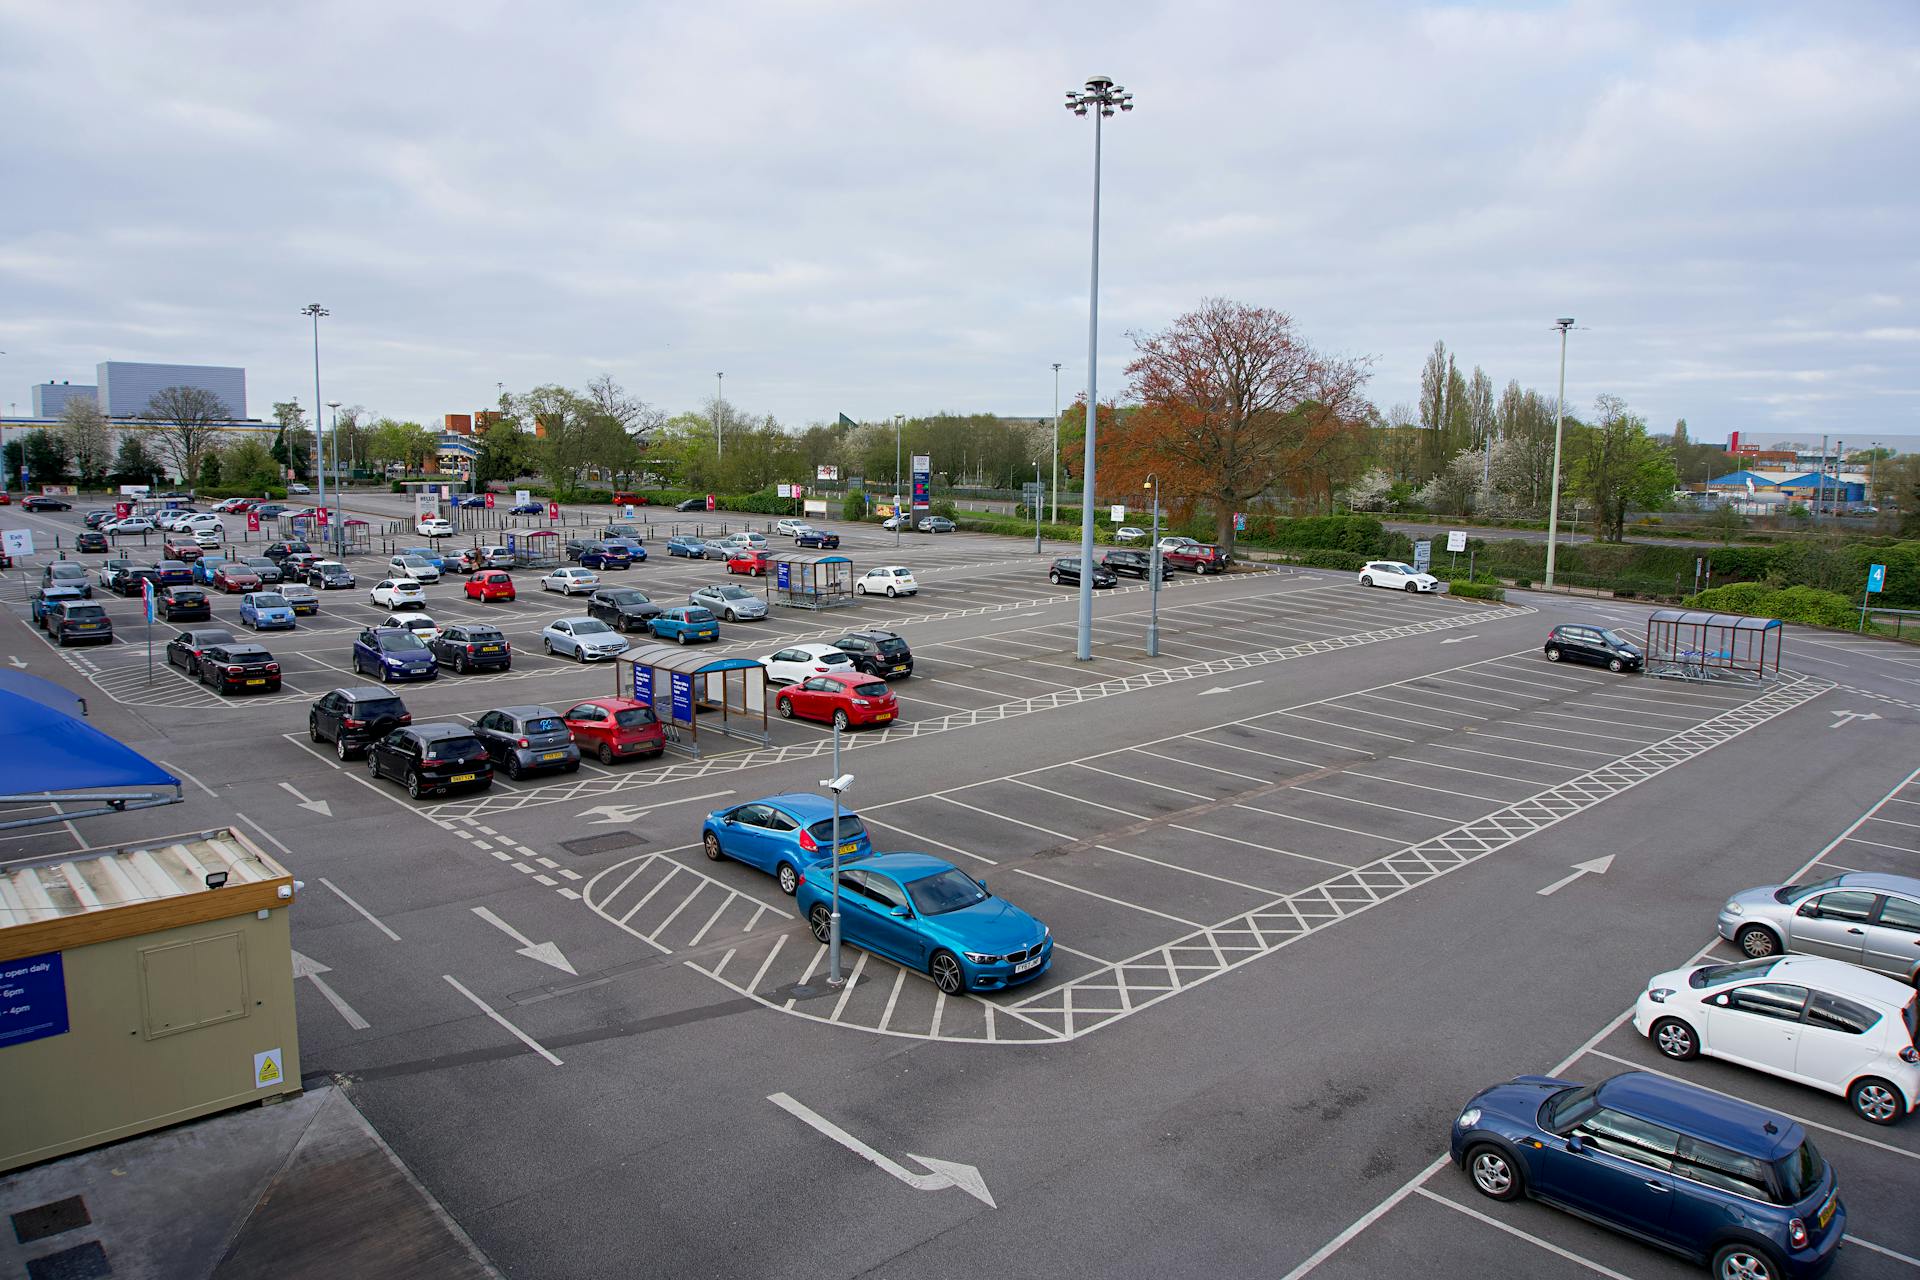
x=623, y=814
x=305, y=967
x=16, y=662
x=945, y=1173
x=1597, y=866
x=544, y=952
x=1229, y=688
x=320, y=807
x=1471, y=635
x=1847, y=717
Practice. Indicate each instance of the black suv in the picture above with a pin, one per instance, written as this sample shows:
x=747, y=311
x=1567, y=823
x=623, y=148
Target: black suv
x=184, y=604
x=430, y=758
x=1067, y=569
x=353, y=719
x=1595, y=644
x=127, y=581
x=184, y=650
x=1135, y=564
x=78, y=622
x=622, y=608
x=279, y=551
x=472, y=647
x=239, y=667
x=878, y=653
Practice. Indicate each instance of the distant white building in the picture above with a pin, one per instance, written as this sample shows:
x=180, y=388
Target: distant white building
x=50, y=399
x=126, y=387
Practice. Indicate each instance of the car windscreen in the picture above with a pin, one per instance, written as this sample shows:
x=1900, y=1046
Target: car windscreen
x=877, y=689
x=85, y=612
x=624, y=597
x=944, y=891
x=544, y=724
x=67, y=569
x=1718, y=975
x=1787, y=893
x=414, y=562
x=484, y=635
x=1617, y=638
x=733, y=593
x=399, y=641
x=1800, y=1171
x=851, y=828
x=591, y=627
x=893, y=645
x=454, y=749
x=699, y=615
x=635, y=717
x=268, y=600
x=1568, y=1108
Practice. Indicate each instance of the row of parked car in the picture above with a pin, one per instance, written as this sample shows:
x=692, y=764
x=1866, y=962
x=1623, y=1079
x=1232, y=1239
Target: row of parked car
x=1825, y=997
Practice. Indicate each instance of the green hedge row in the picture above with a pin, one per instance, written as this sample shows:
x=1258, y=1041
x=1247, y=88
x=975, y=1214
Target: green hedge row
x=1789, y=604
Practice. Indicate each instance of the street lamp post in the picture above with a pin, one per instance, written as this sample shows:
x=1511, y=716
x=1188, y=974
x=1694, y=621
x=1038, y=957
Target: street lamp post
x=1039, y=506
x=315, y=310
x=838, y=783
x=719, y=399
x=1559, y=422
x=1102, y=97
x=898, y=519
x=1153, y=571
x=1056, y=442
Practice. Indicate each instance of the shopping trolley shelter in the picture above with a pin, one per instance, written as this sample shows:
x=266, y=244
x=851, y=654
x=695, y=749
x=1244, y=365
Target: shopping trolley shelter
x=1323, y=867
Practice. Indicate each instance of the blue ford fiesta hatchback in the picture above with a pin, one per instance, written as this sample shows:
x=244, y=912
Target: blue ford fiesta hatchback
x=1694, y=1172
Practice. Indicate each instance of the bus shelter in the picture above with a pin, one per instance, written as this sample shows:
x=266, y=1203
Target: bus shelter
x=1684, y=644
x=682, y=684
x=534, y=549
x=810, y=580
x=356, y=537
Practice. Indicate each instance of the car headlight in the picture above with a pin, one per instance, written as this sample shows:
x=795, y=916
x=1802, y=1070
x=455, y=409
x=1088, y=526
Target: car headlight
x=1659, y=994
x=979, y=958
x=1468, y=1118
x=1733, y=909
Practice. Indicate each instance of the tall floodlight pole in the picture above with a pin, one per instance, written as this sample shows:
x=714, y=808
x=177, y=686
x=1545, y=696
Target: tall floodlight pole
x=1559, y=422
x=332, y=460
x=838, y=783
x=898, y=519
x=719, y=398
x=1153, y=571
x=1056, y=442
x=315, y=310
x=1102, y=97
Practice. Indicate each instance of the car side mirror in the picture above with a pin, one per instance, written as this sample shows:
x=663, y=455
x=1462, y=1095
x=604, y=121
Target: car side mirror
x=981, y=882
x=1811, y=911
x=900, y=913
x=1576, y=1144
x=1721, y=1001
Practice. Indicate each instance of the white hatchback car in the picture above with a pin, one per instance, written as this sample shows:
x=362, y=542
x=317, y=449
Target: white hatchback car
x=1397, y=575
x=1821, y=1022
x=893, y=580
x=419, y=568
x=419, y=623
x=434, y=527
x=801, y=661
x=571, y=581
x=398, y=593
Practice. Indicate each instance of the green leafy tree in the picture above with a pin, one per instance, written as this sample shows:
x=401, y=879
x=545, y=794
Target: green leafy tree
x=1618, y=467
x=249, y=464
x=135, y=463
x=506, y=453
x=407, y=443
x=46, y=454
x=210, y=472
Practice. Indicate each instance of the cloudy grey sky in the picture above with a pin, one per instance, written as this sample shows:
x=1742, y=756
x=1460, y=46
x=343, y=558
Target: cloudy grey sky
x=877, y=208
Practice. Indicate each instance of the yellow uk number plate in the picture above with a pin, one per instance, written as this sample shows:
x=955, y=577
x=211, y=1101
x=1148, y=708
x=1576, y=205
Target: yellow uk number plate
x=1826, y=1211
x=849, y=847
x=462, y=777
x=554, y=755
x=260, y=681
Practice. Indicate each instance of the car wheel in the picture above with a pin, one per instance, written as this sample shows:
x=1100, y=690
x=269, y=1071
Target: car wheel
x=681, y=636
x=413, y=784
x=1494, y=1173
x=820, y=923
x=1201, y=568
x=373, y=765
x=1553, y=653
x=1675, y=1039
x=1744, y=1262
x=789, y=878
x=859, y=588
x=513, y=767
x=1616, y=666
x=711, y=844
x=1366, y=579
x=783, y=706
x=580, y=656
x=890, y=593
x=840, y=720
x=1876, y=1101
x=1054, y=577
x=549, y=646
x=606, y=753
x=313, y=730
x=1413, y=588
x=1756, y=941
x=946, y=973
x=340, y=747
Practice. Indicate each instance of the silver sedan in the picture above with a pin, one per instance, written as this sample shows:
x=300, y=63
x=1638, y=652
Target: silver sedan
x=1863, y=917
x=734, y=603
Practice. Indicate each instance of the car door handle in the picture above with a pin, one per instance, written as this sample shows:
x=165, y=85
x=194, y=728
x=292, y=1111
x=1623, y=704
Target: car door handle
x=1856, y=930
x=1660, y=1187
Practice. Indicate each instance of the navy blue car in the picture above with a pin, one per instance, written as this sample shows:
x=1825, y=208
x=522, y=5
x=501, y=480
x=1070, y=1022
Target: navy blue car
x=1697, y=1173
x=393, y=653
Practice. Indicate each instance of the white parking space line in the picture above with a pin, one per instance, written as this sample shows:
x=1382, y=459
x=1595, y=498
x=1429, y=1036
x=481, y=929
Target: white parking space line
x=1351, y=728
x=1517, y=1233
x=1397, y=716
x=1403, y=698
x=1882, y=1250
x=1421, y=786
x=1372, y=804
x=1578, y=733
x=1494, y=755
x=1252, y=751
x=1877, y=844
x=1118, y=902
x=866, y=816
x=1195, y=764
x=1068, y=795
x=1811, y=1124
x=1135, y=778
x=517, y=1033
x=1315, y=822
x=1001, y=817
x=189, y=777
x=1267, y=848
x=1483, y=691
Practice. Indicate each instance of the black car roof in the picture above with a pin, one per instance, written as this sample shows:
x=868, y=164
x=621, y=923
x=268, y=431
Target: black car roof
x=367, y=693
x=875, y=634
x=440, y=730
x=245, y=650
x=207, y=635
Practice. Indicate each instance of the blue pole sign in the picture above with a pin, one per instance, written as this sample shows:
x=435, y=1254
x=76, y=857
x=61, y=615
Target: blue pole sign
x=643, y=683
x=781, y=575
x=682, y=698
x=1876, y=578
x=33, y=999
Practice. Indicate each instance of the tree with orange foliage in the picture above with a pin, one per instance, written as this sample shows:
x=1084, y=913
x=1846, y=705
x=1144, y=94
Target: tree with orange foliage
x=1234, y=403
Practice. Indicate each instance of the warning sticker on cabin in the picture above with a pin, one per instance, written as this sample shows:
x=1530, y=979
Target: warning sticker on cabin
x=267, y=1070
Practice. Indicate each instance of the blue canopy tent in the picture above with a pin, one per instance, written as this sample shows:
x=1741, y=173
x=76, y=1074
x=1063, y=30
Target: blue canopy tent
x=48, y=756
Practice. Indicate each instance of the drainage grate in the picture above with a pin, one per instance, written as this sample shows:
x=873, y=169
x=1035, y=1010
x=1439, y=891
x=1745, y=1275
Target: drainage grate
x=83, y=1262
x=50, y=1219
x=587, y=846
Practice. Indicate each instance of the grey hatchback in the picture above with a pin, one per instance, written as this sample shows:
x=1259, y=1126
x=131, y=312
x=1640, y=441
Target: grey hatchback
x=1864, y=917
x=735, y=604
x=524, y=740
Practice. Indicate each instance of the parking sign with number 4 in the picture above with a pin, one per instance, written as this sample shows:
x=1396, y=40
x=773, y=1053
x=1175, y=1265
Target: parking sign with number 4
x=1876, y=578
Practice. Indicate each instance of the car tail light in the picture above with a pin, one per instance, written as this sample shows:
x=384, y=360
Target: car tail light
x=470, y=648
x=1797, y=1234
x=353, y=724
x=273, y=666
x=523, y=742
x=234, y=671
x=807, y=841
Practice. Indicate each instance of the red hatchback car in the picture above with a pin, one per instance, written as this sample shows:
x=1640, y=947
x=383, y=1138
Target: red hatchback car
x=235, y=577
x=490, y=584
x=752, y=563
x=616, y=729
x=844, y=698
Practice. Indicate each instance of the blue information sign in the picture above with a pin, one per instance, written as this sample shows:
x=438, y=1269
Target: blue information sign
x=33, y=999
x=1876, y=577
x=682, y=698
x=643, y=684
x=922, y=479
x=782, y=575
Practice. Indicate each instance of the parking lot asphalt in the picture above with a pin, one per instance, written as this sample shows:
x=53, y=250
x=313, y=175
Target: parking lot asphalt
x=1293, y=867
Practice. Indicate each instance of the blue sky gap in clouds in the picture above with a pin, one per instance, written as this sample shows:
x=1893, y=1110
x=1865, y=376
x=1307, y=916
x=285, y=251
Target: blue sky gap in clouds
x=877, y=209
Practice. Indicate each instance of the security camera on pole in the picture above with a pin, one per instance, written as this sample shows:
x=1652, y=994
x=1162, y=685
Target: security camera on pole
x=838, y=783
